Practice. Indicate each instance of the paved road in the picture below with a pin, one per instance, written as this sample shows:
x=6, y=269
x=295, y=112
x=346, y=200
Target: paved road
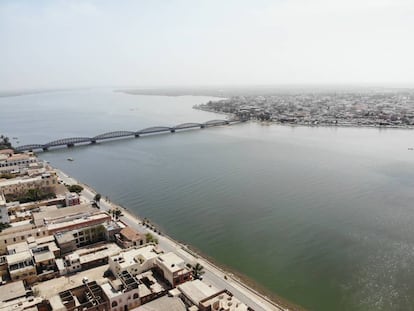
x=213, y=275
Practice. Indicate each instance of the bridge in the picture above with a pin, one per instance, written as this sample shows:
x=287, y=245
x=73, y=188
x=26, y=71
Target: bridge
x=72, y=141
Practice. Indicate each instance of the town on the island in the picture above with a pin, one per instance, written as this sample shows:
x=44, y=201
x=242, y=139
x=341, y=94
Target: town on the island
x=368, y=108
x=64, y=247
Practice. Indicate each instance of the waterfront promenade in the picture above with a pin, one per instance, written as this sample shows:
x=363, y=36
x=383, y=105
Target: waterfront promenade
x=213, y=276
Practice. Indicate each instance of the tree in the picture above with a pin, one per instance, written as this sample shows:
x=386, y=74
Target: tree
x=116, y=213
x=5, y=142
x=75, y=188
x=97, y=197
x=150, y=238
x=4, y=226
x=34, y=194
x=198, y=270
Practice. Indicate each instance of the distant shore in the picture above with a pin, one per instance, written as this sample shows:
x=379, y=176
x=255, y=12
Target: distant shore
x=322, y=125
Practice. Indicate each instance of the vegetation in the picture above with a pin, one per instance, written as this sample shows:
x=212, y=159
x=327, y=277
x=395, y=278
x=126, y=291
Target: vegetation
x=96, y=200
x=197, y=270
x=116, y=213
x=150, y=238
x=4, y=226
x=5, y=142
x=7, y=175
x=97, y=197
x=31, y=195
x=75, y=188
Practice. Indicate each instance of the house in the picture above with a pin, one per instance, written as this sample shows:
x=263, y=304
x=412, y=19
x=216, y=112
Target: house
x=89, y=296
x=128, y=237
x=21, y=266
x=134, y=260
x=223, y=301
x=173, y=269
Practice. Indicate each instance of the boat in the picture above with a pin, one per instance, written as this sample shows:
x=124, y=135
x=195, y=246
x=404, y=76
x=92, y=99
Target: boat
x=70, y=159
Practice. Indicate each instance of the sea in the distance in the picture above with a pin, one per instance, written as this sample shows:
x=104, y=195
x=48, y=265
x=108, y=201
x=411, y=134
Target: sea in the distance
x=321, y=216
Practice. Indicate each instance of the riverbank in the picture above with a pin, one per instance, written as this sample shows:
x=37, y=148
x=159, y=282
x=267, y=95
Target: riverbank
x=294, y=124
x=234, y=281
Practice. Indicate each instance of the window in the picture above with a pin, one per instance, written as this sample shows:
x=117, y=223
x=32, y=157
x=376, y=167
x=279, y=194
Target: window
x=135, y=296
x=114, y=304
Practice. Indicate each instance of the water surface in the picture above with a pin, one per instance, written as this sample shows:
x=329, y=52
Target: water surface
x=321, y=216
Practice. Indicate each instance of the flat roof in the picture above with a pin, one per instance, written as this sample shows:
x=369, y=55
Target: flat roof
x=196, y=290
x=12, y=291
x=17, y=248
x=171, y=262
x=225, y=302
x=50, y=214
x=96, y=253
x=109, y=291
x=163, y=303
x=146, y=252
x=16, y=181
x=43, y=256
x=19, y=257
x=77, y=221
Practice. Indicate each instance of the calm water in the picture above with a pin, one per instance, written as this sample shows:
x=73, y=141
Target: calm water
x=321, y=216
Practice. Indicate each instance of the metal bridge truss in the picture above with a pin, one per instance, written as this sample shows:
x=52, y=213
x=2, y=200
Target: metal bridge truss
x=118, y=134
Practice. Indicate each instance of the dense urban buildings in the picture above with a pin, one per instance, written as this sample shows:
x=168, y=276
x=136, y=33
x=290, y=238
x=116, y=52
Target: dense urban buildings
x=348, y=108
x=65, y=252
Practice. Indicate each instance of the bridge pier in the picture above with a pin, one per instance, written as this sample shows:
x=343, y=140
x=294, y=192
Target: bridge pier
x=70, y=145
x=93, y=141
x=202, y=126
x=172, y=130
x=136, y=135
x=45, y=148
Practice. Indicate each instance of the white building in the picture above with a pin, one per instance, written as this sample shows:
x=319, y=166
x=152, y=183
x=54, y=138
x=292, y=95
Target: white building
x=134, y=260
x=16, y=162
x=173, y=268
x=4, y=214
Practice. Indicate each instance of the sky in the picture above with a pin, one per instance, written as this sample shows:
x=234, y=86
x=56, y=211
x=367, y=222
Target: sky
x=62, y=43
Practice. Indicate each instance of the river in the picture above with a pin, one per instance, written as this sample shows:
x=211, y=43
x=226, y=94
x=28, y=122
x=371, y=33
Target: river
x=323, y=217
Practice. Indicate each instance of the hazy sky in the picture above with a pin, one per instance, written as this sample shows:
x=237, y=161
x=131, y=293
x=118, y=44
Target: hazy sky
x=54, y=44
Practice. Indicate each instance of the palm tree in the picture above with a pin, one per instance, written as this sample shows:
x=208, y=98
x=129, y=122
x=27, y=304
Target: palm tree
x=116, y=213
x=198, y=270
x=97, y=197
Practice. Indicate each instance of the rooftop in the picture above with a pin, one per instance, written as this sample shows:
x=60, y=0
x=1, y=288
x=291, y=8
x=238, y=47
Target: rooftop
x=43, y=256
x=133, y=256
x=19, y=257
x=12, y=291
x=225, y=301
x=171, y=262
x=95, y=253
x=131, y=234
x=163, y=303
x=197, y=290
x=51, y=215
x=77, y=221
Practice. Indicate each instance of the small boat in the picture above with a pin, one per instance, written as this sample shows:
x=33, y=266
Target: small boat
x=70, y=159
x=411, y=149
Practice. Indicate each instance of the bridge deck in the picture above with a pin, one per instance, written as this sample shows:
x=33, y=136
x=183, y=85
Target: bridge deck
x=72, y=141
